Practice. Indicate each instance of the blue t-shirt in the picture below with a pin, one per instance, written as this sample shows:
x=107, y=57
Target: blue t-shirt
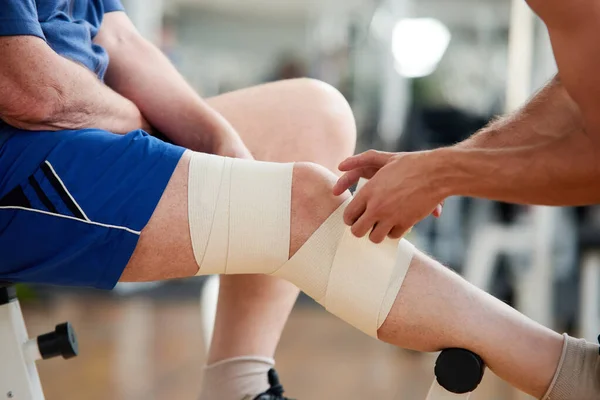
x=68, y=26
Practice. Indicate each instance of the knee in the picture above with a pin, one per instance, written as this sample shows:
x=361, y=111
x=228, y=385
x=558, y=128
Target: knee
x=331, y=112
x=312, y=201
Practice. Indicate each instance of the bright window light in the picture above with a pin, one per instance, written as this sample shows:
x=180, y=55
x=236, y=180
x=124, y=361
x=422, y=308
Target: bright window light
x=418, y=45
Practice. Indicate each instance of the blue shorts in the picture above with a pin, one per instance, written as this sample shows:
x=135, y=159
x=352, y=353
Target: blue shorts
x=73, y=203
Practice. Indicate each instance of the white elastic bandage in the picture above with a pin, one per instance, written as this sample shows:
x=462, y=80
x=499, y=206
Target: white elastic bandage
x=239, y=213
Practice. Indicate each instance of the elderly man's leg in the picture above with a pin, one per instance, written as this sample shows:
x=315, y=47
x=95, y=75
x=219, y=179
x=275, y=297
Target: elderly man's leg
x=433, y=308
x=295, y=120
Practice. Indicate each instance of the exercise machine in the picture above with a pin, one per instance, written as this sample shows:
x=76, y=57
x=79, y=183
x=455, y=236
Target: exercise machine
x=19, y=379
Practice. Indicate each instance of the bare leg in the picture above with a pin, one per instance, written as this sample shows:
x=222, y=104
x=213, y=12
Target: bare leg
x=296, y=120
x=435, y=308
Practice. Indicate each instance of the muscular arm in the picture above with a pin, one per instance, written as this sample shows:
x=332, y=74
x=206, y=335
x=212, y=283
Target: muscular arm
x=560, y=172
x=43, y=91
x=547, y=152
x=140, y=72
x=559, y=132
x=574, y=28
x=539, y=155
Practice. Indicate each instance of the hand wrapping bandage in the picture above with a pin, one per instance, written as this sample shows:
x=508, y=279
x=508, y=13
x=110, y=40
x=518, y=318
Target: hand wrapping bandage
x=239, y=212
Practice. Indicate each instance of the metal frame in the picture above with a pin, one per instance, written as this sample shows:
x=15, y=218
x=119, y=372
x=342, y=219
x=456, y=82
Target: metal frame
x=19, y=379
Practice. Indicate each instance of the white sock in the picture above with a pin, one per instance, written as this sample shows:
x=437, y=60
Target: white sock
x=239, y=378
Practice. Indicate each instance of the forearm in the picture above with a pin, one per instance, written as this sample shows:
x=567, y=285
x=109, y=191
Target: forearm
x=83, y=101
x=574, y=27
x=561, y=172
x=540, y=154
x=170, y=105
x=56, y=94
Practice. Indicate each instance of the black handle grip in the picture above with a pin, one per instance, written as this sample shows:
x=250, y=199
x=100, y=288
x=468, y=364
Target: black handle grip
x=61, y=342
x=459, y=371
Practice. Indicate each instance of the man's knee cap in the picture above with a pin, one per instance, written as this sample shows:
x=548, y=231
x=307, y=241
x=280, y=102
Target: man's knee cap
x=239, y=213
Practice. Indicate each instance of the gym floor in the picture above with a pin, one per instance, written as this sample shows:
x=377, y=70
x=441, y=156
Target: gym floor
x=141, y=348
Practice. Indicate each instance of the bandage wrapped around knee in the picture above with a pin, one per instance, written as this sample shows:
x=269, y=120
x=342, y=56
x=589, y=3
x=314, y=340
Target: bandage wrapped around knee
x=239, y=212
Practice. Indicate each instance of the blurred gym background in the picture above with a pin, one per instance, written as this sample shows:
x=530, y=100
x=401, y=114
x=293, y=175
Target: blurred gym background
x=419, y=74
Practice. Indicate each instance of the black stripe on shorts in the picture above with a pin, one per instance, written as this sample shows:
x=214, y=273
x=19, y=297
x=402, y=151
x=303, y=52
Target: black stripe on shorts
x=41, y=195
x=15, y=198
x=64, y=195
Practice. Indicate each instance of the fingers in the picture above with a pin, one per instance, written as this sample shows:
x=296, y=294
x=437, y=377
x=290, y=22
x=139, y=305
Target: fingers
x=380, y=232
x=355, y=210
x=363, y=165
x=363, y=225
x=397, y=232
x=351, y=178
x=371, y=158
x=360, y=218
x=357, y=216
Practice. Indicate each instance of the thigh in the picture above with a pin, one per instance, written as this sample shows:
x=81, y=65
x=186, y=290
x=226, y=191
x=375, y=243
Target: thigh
x=73, y=203
x=164, y=250
x=293, y=120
